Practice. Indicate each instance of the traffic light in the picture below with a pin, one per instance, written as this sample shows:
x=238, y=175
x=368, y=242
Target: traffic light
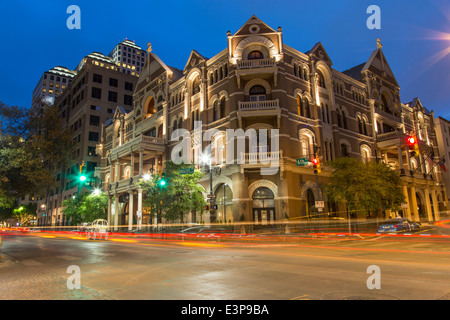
x=82, y=176
x=162, y=182
x=206, y=207
x=316, y=165
x=413, y=145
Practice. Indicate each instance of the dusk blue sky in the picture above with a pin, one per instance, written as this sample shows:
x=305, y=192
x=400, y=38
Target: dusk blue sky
x=415, y=35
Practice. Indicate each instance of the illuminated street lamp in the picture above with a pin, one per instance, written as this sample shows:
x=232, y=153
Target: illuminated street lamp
x=206, y=159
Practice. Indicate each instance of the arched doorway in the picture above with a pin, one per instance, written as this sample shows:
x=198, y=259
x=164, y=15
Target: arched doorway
x=310, y=202
x=263, y=206
x=224, y=201
x=421, y=207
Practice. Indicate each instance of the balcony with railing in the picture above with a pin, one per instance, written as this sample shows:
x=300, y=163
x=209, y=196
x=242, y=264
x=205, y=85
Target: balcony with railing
x=262, y=157
x=259, y=105
x=151, y=143
x=256, y=63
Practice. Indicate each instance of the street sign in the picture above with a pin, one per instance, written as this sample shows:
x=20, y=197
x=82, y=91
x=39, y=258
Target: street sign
x=302, y=162
x=320, y=204
x=186, y=170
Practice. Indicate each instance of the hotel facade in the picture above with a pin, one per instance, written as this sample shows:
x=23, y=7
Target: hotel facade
x=259, y=84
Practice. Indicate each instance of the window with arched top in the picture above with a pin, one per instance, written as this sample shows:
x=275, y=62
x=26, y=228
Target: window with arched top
x=384, y=104
x=257, y=93
x=254, y=55
x=196, y=85
x=344, y=150
x=321, y=80
x=149, y=108
x=216, y=111
x=222, y=107
x=366, y=153
x=303, y=108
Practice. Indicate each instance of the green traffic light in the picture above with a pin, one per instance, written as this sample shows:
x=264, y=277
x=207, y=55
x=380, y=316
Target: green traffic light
x=162, y=182
x=83, y=178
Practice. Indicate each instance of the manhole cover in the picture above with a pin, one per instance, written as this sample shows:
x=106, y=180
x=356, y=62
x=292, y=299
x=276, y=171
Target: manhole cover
x=356, y=296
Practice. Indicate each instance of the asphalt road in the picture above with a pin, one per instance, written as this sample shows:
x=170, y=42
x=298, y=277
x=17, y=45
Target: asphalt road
x=38, y=266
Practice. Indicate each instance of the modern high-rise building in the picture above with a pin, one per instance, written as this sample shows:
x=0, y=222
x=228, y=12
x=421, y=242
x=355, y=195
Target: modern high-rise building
x=51, y=84
x=259, y=84
x=99, y=87
x=129, y=57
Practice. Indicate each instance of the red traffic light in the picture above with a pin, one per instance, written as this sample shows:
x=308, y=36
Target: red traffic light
x=315, y=160
x=411, y=140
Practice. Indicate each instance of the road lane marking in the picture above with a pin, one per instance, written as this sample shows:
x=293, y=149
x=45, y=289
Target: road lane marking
x=193, y=244
x=298, y=298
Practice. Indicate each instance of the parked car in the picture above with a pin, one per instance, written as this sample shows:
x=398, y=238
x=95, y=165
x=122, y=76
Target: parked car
x=398, y=225
x=84, y=227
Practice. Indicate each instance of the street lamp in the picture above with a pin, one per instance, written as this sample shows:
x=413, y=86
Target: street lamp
x=146, y=176
x=206, y=159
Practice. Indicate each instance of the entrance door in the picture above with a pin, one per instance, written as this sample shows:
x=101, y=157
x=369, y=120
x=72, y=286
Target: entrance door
x=264, y=206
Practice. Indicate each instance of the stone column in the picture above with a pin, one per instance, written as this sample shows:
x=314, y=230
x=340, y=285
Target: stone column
x=400, y=161
x=109, y=209
x=428, y=205
x=130, y=210
x=132, y=165
x=414, y=210
x=407, y=211
x=435, y=205
x=139, y=217
x=116, y=213
x=141, y=162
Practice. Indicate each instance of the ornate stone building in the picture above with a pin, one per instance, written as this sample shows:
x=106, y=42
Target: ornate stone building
x=259, y=84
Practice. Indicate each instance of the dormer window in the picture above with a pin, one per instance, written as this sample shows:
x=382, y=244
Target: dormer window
x=255, y=55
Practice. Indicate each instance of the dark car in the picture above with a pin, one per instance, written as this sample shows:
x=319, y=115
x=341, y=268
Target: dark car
x=398, y=225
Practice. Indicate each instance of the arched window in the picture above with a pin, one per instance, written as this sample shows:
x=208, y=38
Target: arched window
x=306, y=109
x=216, y=111
x=360, y=125
x=224, y=200
x=255, y=55
x=196, y=85
x=344, y=150
x=364, y=126
x=222, y=107
x=321, y=79
x=385, y=104
x=149, y=107
x=299, y=106
x=365, y=154
x=257, y=93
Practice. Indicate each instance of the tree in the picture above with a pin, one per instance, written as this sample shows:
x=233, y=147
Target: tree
x=85, y=207
x=30, y=146
x=25, y=214
x=364, y=187
x=180, y=195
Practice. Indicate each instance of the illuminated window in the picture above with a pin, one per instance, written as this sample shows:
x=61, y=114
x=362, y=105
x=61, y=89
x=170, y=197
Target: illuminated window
x=255, y=55
x=257, y=93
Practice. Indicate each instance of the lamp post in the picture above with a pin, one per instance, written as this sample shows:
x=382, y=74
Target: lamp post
x=206, y=159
